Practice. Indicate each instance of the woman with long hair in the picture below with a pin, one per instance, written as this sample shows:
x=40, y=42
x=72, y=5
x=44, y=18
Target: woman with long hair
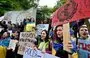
x=4, y=43
x=44, y=46
x=58, y=43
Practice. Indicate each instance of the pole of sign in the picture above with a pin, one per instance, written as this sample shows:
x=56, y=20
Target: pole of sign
x=66, y=37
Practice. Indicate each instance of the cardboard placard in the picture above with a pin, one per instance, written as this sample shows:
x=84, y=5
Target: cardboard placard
x=41, y=27
x=66, y=36
x=26, y=39
x=12, y=44
x=32, y=53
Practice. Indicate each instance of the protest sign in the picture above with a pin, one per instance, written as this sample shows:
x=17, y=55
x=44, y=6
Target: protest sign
x=49, y=56
x=30, y=27
x=18, y=16
x=72, y=10
x=84, y=48
x=32, y=53
x=41, y=27
x=26, y=39
x=66, y=36
x=12, y=44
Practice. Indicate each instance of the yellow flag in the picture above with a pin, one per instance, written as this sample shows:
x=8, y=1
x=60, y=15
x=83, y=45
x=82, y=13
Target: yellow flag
x=29, y=27
x=75, y=55
x=2, y=52
x=53, y=51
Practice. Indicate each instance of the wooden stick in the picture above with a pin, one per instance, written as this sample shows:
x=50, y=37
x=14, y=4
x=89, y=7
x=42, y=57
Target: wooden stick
x=66, y=37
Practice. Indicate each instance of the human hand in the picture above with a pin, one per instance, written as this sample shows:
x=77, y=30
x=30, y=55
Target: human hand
x=69, y=45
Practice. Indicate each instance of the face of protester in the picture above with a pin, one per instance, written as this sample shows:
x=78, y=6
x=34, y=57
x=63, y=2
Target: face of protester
x=15, y=33
x=43, y=35
x=83, y=32
x=59, y=32
x=5, y=34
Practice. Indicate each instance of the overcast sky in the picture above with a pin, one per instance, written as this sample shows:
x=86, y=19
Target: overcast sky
x=49, y=3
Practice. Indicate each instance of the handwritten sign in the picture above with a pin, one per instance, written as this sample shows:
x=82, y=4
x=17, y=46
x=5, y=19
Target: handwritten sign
x=26, y=39
x=12, y=44
x=32, y=53
x=84, y=48
x=41, y=27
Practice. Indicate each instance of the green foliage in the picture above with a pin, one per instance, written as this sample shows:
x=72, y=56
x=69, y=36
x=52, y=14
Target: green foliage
x=59, y=3
x=9, y=5
x=43, y=13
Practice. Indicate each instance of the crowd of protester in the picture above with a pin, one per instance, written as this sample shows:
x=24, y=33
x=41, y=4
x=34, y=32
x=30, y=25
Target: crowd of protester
x=46, y=42
x=8, y=31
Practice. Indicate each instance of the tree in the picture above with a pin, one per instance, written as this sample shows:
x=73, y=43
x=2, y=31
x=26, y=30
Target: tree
x=43, y=13
x=9, y=5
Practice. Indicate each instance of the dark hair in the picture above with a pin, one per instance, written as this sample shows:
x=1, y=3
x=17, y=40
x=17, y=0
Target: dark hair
x=9, y=22
x=8, y=34
x=83, y=26
x=55, y=34
x=4, y=22
x=47, y=37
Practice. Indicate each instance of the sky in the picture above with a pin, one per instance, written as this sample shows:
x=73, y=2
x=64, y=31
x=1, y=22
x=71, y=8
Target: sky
x=49, y=3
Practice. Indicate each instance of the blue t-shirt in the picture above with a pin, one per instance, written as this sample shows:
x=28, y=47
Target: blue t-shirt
x=5, y=42
x=58, y=46
x=83, y=48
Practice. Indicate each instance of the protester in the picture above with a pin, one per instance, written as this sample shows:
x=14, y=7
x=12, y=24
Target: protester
x=5, y=39
x=15, y=35
x=58, y=43
x=84, y=37
x=9, y=25
x=3, y=24
x=84, y=33
x=21, y=27
x=45, y=46
x=4, y=43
